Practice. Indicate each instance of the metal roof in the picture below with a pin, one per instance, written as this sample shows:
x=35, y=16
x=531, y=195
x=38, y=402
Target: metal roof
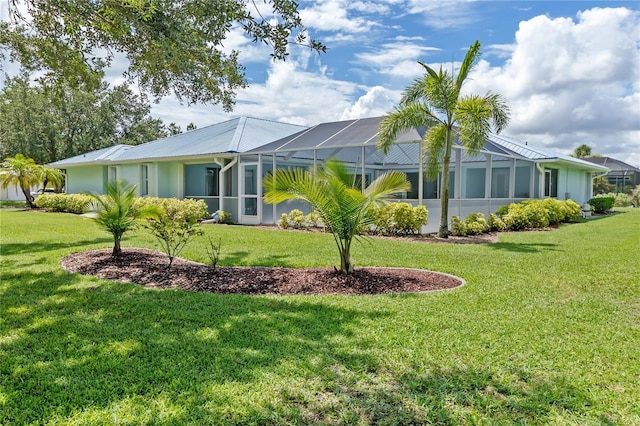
x=236, y=135
x=364, y=132
x=104, y=154
x=613, y=164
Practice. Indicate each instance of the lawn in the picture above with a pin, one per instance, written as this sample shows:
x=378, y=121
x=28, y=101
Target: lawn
x=546, y=331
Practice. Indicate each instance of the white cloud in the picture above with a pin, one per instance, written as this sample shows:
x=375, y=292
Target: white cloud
x=332, y=15
x=377, y=101
x=573, y=82
x=395, y=59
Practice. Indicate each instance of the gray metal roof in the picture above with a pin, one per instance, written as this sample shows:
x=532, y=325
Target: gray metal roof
x=364, y=131
x=613, y=164
x=236, y=135
x=100, y=155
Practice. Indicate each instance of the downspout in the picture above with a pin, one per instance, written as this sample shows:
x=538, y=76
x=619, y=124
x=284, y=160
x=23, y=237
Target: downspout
x=222, y=180
x=540, y=180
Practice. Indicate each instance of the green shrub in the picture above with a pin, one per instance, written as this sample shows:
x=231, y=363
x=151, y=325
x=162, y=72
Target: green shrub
x=70, y=203
x=313, y=219
x=179, y=221
x=495, y=223
x=620, y=199
x=458, y=227
x=188, y=209
x=399, y=219
x=572, y=211
x=295, y=219
x=602, y=204
x=224, y=217
x=476, y=224
x=634, y=196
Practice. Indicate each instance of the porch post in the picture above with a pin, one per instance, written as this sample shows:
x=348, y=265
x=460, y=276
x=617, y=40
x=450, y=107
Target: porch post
x=420, y=172
x=512, y=178
x=487, y=178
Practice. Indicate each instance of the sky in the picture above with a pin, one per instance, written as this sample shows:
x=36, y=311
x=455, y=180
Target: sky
x=569, y=70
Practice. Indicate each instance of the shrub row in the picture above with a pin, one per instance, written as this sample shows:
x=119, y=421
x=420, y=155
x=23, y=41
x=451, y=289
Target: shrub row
x=70, y=203
x=390, y=219
x=399, y=219
x=297, y=220
x=529, y=214
x=186, y=210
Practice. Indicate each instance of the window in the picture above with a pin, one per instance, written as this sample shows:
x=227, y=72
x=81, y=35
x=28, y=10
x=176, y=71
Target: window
x=551, y=182
x=112, y=174
x=212, y=182
x=144, y=180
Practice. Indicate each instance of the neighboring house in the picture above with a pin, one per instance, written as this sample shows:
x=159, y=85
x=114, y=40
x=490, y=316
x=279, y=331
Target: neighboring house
x=12, y=193
x=621, y=175
x=212, y=165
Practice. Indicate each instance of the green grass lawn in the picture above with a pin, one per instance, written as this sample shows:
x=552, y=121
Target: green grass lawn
x=546, y=331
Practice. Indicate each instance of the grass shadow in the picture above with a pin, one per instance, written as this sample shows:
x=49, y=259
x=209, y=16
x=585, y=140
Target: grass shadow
x=20, y=248
x=523, y=247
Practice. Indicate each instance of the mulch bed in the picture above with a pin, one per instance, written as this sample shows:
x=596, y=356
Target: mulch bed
x=149, y=268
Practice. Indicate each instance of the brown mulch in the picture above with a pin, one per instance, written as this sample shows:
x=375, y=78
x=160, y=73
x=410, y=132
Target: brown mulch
x=149, y=268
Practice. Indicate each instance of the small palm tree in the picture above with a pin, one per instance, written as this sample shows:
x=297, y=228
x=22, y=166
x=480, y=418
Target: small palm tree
x=21, y=172
x=344, y=209
x=50, y=176
x=434, y=101
x=115, y=211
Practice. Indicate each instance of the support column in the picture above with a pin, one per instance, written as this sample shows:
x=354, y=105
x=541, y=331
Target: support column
x=487, y=177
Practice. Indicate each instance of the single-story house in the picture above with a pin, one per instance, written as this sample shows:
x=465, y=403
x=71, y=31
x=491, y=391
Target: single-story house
x=621, y=175
x=224, y=164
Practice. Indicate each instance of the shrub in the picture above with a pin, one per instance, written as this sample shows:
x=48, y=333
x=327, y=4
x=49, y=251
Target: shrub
x=177, y=223
x=313, y=219
x=620, y=199
x=602, y=204
x=295, y=219
x=476, y=224
x=458, y=227
x=399, y=219
x=70, y=203
x=525, y=215
x=572, y=211
x=634, y=196
x=223, y=217
x=495, y=223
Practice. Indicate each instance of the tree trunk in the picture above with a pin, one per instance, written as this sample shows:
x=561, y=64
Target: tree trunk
x=117, y=250
x=346, y=267
x=443, y=231
x=28, y=197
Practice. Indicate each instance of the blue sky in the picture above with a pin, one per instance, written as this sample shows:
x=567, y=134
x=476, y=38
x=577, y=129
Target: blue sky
x=569, y=70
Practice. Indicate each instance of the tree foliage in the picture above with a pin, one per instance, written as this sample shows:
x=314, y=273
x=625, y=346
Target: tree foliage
x=583, y=151
x=344, y=209
x=172, y=47
x=434, y=101
x=48, y=121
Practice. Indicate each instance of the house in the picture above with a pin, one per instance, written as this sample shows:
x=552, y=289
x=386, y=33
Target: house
x=201, y=163
x=621, y=176
x=224, y=164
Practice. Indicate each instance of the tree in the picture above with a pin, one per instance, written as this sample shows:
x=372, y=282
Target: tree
x=172, y=47
x=115, y=211
x=344, y=209
x=583, y=151
x=601, y=185
x=50, y=175
x=434, y=101
x=48, y=121
x=22, y=172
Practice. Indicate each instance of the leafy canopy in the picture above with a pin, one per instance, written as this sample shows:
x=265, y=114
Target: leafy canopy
x=172, y=47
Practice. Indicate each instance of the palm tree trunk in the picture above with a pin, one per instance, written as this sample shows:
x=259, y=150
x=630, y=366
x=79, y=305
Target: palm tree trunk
x=443, y=231
x=28, y=197
x=117, y=250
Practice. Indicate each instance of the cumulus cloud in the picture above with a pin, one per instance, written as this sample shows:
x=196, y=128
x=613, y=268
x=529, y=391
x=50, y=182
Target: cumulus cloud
x=377, y=101
x=396, y=59
x=571, y=82
x=333, y=15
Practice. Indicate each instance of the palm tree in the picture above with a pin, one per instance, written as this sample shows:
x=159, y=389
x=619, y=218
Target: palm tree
x=21, y=172
x=583, y=151
x=115, y=211
x=344, y=209
x=49, y=175
x=434, y=101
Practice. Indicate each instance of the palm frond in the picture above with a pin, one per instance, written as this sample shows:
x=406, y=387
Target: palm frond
x=501, y=113
x=401, y=120
x=468, y=63
x=473, y=115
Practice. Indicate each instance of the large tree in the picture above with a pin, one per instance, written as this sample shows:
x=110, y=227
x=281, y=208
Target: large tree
x=434, y=101
x=48, y=121
x=345, y=209
x=172, y=47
